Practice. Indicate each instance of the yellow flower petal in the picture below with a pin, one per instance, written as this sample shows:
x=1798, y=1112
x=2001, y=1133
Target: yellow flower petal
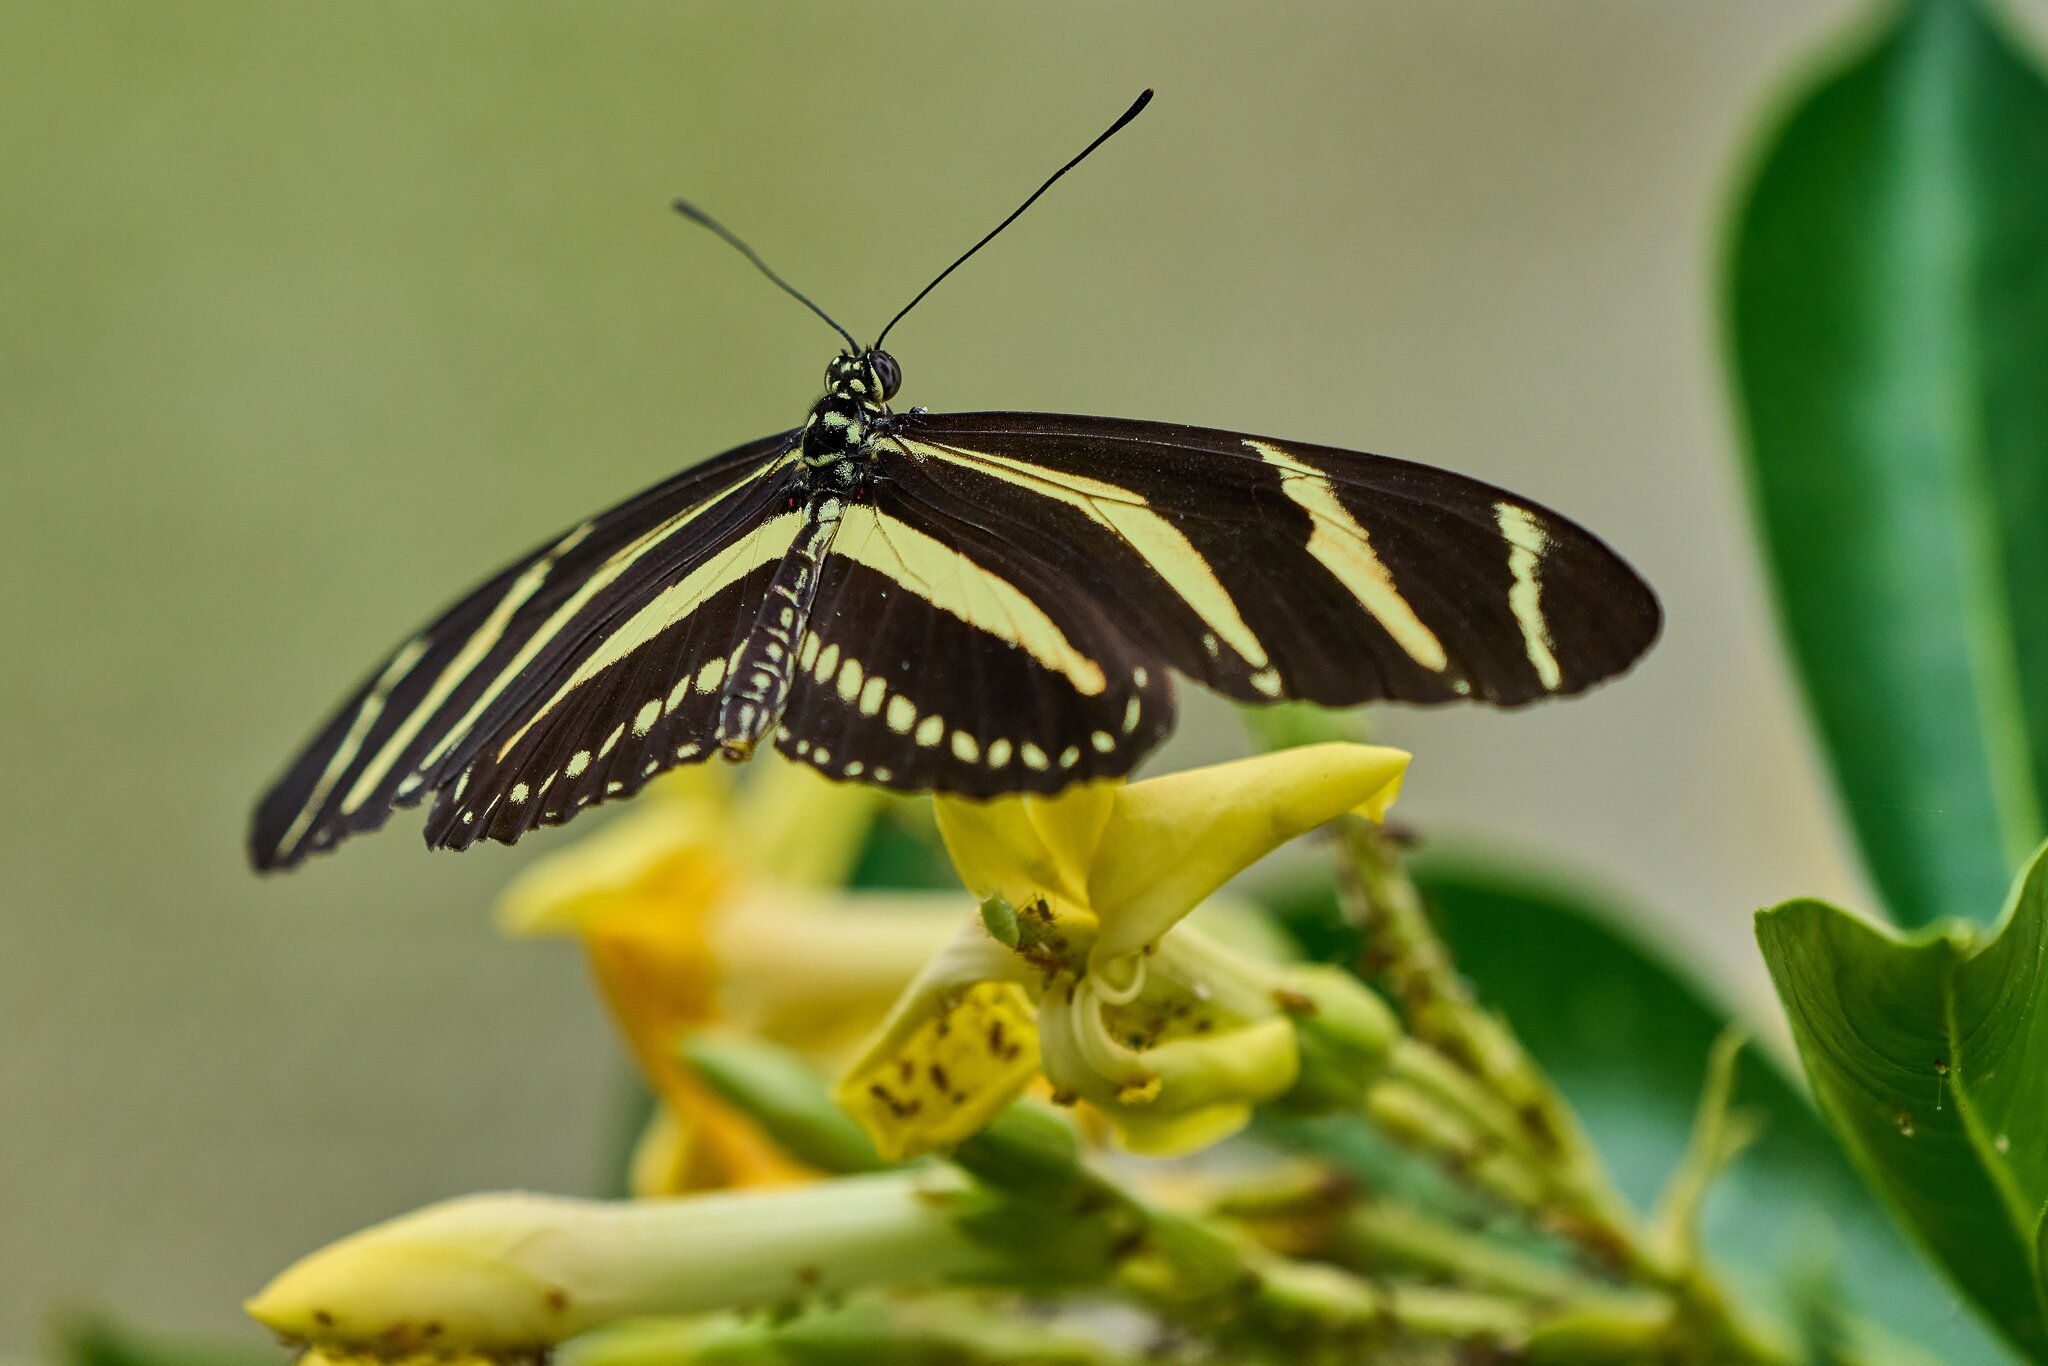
x=997, y=850
x=657, y=973
x=947, y=1076
x=795, y=826
x=667, y=850
x=1070, y=826
x=815, y=971
x=1206, y=1089
x=1172, y=1097
x=1252, y=1063
x=697, y=1142
x=659, y=980
x=1171, y=841
x=1174, y=1134
x=1023, y=847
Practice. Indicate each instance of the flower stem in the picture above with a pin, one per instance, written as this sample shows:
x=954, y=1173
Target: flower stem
x=946, y=1326
x=1310, y=1211
x=1468, y=1062
x=1418, y=1121
x=1379, y=1235
x=1474, y=1051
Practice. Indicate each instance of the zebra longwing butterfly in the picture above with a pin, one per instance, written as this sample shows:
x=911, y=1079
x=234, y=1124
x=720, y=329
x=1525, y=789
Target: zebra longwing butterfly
x=977, y=603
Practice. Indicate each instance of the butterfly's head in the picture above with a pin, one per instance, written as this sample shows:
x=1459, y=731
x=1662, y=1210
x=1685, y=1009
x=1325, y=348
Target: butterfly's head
x=871, y=378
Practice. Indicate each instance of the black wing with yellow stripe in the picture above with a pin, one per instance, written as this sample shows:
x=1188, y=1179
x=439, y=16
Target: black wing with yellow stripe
x=1006, y=609
x=951, y=652
x=1273, y=570
x=503, y=688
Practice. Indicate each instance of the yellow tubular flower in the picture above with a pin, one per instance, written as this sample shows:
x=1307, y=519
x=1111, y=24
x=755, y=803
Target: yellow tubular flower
x=712, y=902
x=1080, y=964
x=505, y=1278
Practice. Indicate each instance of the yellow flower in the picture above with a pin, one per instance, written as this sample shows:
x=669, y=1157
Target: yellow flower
x=706, y=905
x=505, y=1278
x=1079, y=965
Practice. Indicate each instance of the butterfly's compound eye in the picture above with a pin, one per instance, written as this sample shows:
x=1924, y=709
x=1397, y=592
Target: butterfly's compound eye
x=888, y=373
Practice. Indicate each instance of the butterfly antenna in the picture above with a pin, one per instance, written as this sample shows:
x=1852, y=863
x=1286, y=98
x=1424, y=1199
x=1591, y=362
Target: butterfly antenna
x=1136, y=107
x=697, y=215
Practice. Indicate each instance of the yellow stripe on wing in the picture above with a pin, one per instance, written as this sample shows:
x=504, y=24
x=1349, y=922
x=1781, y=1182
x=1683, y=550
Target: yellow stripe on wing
x=1529, y=543
x=1171, y=555
x=957, y=584
x=359, y=727
x=472, y=653
x=1341, y=544
x=766, y=544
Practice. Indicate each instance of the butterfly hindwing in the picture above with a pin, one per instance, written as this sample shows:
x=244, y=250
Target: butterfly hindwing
x=1274, y=570
x=941, y=659
x=413, y=726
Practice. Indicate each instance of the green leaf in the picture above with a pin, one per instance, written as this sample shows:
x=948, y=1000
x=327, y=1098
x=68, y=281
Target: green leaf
x=95, y=1341
x=1929, y=1057
x=1626, y=1037
x=1888, y=313
x=903, y=850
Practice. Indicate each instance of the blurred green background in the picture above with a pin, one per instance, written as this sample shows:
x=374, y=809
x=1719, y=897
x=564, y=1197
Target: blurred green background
x=311, y=316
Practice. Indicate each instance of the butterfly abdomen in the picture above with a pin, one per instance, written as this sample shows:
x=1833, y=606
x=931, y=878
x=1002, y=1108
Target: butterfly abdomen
x=757, y=690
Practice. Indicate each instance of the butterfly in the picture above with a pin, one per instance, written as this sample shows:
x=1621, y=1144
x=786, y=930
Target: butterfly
x=972, y=603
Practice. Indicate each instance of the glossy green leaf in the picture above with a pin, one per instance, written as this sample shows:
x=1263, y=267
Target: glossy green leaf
x=1888, y=313
x=1625, y=1036
x=1929, y=1057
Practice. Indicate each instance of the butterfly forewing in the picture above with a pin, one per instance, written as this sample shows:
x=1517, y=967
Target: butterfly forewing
x=428, y=710
x=1274, y=570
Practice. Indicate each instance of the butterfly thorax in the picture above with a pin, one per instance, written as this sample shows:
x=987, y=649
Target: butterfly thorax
x=835, y=445
x=839, y=428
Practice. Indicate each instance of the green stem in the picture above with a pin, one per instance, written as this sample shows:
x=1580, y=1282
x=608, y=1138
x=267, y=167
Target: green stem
x=1459, y=1092
x=915, y=1329
x=1308, y=1211
x=1442, y=1015
x=1380, y=1235
x=1464, y=1052
x=1417, y=1120
x=1203, y=1271
x=1461, y=1315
